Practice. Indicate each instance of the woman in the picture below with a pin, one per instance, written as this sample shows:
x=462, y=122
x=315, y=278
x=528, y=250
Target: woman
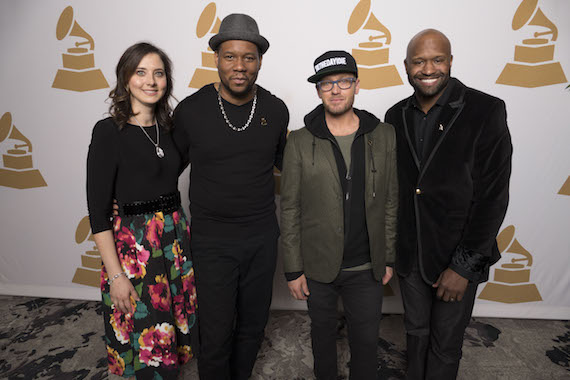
x=147, y=279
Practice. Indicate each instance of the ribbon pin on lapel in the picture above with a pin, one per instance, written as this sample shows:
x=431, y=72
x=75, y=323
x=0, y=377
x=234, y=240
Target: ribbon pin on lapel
x=441, y=127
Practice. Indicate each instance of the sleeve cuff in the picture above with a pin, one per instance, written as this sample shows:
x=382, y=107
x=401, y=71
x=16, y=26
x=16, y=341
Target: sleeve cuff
x=468, y=263
x=290, y=276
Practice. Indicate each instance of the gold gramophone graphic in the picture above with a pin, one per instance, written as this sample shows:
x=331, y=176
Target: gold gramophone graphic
x=372, y=57
x=565, y=189
x=208, y=23
x=534, y=60
x=90, y=271
x=17, y=170
x=79, y=72
x=511, y=283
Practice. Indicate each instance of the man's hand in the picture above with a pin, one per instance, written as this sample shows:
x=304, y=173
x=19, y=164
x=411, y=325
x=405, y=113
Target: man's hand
x=450, y=286
x=115, y=208
x=388, y=275
x=298, y=288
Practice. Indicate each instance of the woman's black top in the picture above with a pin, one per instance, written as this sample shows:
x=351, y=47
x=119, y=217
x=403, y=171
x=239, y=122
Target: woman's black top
x=122, y=164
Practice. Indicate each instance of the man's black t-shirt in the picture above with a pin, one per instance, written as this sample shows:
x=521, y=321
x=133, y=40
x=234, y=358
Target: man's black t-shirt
x=231, y=176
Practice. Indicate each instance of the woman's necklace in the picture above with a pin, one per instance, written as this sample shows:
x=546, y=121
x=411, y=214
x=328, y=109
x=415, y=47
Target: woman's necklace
x=159, y=151
x=237, y=129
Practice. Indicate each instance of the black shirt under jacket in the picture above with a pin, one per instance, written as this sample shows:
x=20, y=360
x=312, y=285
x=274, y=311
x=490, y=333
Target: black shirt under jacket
x=425, y=128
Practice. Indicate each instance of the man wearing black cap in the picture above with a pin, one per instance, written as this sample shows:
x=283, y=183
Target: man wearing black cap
x=233, y=133
x=339, y=199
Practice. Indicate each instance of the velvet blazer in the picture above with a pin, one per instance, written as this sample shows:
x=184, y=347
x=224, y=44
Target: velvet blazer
x=452, y=206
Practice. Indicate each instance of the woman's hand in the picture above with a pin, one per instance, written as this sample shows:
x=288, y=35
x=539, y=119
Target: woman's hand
x=122, y=291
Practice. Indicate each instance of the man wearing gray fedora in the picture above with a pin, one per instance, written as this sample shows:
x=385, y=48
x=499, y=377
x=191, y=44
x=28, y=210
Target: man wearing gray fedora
x=232, y=133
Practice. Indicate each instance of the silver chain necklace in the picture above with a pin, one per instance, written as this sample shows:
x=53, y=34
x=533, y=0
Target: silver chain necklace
x=238, y=129
x=158, y=149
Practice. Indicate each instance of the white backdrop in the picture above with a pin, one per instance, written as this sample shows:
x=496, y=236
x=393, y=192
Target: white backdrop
x=44, y=251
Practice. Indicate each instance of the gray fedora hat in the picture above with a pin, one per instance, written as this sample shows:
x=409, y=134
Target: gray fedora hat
x=238, y=26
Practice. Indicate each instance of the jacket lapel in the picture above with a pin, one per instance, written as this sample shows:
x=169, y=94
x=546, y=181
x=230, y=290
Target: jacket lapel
x=326, y=145
x=324, y=140
x=408, y=120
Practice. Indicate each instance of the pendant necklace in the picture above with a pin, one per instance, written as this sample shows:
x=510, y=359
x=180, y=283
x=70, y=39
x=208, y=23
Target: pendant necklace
x=228, y=122
x=158, y=149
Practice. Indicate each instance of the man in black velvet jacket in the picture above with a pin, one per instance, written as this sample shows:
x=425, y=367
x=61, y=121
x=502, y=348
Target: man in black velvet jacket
x=454, y=164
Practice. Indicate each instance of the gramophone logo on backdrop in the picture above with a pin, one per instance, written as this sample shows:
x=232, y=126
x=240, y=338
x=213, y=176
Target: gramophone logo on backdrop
x=17, y=170
x=534, y=64
x=78, y=72
x=208, y=24
x=565, y=189
x=511, y=283
x=372, y=57
x=90, y=271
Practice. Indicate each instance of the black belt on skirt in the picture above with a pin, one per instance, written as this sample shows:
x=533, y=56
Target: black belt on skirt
x=166, y=203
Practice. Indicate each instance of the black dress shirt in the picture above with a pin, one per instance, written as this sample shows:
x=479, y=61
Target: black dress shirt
x=425, y=125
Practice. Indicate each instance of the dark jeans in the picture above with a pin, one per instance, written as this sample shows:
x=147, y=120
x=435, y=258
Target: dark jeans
x=234, y=280
x=362, y=299
x=434, y=328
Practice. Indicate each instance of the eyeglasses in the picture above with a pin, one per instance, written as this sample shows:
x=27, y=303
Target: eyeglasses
x=343, y=84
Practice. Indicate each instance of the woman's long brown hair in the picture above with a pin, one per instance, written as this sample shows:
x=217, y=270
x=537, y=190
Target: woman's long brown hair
x=121, y=109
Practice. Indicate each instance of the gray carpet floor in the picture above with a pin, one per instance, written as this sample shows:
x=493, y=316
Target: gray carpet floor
x=62, y=339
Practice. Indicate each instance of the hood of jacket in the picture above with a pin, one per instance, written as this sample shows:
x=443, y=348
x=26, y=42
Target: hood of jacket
x=315, y=122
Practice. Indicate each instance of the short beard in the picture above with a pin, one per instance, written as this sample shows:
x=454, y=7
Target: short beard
x=342, y=111
x=239, y=95
x=435, y=91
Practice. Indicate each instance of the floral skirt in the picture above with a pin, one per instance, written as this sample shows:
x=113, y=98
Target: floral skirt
x=155, y=340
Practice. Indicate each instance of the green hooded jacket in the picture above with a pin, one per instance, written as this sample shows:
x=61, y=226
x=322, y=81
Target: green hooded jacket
x=312, y=211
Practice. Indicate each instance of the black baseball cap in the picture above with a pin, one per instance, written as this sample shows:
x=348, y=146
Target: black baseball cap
x=332, y=62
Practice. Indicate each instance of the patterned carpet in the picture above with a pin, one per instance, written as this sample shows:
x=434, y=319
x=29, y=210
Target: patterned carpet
x=62, y=339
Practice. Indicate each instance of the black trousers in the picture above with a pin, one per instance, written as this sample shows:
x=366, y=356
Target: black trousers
x=434, y=328
x=362, y=300
x=234, y=280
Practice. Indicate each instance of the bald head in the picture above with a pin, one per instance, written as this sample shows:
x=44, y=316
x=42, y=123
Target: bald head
x=428, y=36
x=428, y=65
